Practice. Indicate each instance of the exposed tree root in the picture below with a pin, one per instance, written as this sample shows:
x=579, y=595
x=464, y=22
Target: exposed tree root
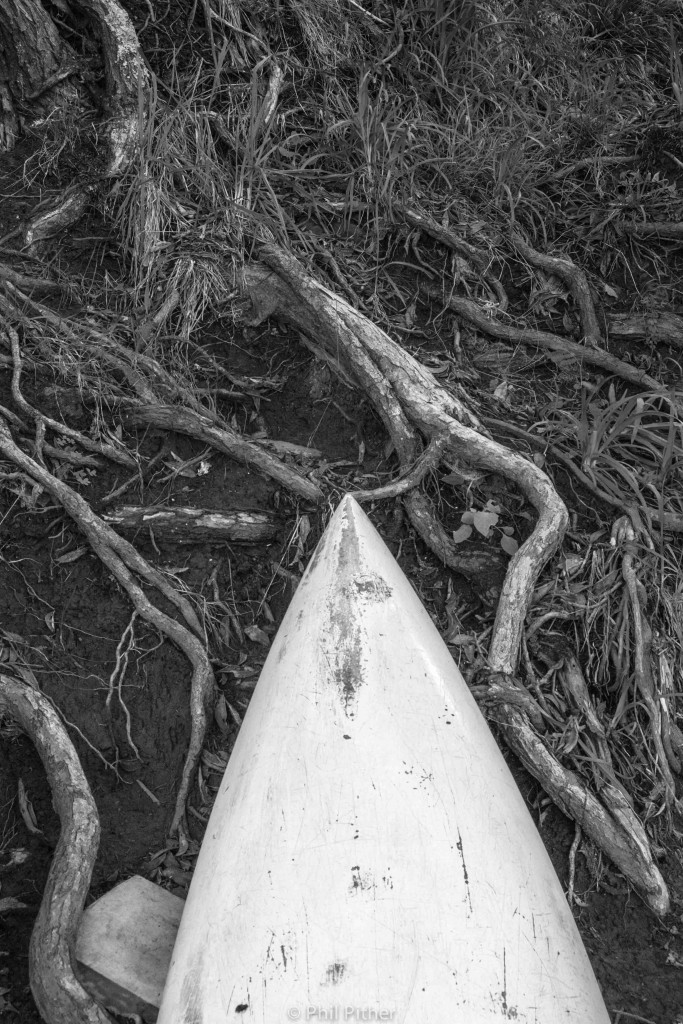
x=589, y=354
x=224, y=439
x=154, y=386
x=59, y=996
x=656, y=328
x=415, y=410
x=33, y=284
x=657, y=229
x=644, y=685
x=573, y=277
x=126, y=80
x=453, y=241
x=194, y=525
x=123, y=560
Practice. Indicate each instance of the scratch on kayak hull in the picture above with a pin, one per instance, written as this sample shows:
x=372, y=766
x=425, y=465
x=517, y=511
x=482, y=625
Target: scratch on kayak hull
x=191, y=993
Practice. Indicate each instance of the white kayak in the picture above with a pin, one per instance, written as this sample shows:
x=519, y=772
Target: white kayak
x=369, y=856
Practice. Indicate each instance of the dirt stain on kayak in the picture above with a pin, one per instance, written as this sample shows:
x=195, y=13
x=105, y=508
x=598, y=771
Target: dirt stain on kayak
x=348, y=668
x=346, y=616
x=335, y=972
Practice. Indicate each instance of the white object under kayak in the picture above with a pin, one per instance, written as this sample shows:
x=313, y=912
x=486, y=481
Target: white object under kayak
x=369, y=856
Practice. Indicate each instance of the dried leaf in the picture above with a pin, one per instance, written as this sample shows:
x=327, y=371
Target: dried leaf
x=454, y=479
x=224, y=630
x=509, y=545
x=236, y=717
x=220, y=713
x=214, y=762
x=26, y=810
x=239, y=671
x=304, y=528
x=72, y=556
x=267, y=613
x=256, y=634
x=27, y=675
x=7, y=905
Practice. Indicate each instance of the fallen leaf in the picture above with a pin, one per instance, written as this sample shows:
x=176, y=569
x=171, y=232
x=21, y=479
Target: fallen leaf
x=7, y=905
x=220, y=713
x=27, y=675
x=72, y=556
x=453, y=478
x=509, y=545
x=462, y=534
x=256, y=634
x=214, y=762
x=484, y=522
x=27, y=810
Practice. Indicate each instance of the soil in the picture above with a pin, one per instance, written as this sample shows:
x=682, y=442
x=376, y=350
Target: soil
x=63, y=611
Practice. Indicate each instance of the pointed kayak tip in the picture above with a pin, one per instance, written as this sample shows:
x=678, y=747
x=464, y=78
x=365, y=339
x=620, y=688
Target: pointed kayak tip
x=347, y=505
x=349, y=511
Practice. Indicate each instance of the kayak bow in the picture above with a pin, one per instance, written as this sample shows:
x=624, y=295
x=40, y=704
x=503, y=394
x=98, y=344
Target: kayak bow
x=369, y=856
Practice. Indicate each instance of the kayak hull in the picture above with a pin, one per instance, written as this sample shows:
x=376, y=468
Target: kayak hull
x=369, y=855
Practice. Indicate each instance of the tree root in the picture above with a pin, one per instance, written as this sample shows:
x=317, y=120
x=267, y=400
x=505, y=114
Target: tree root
x=59, y=996
x=126, y=80
x=573, y=277
x=34, y=284
x=224, y=439
x=181, y=525
x=589, y=354
x=642, y=637
x=148, y=379
x=672, y=229
x=415, y=408
x=656, y=328
x=122, y=560
x=453, y=241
